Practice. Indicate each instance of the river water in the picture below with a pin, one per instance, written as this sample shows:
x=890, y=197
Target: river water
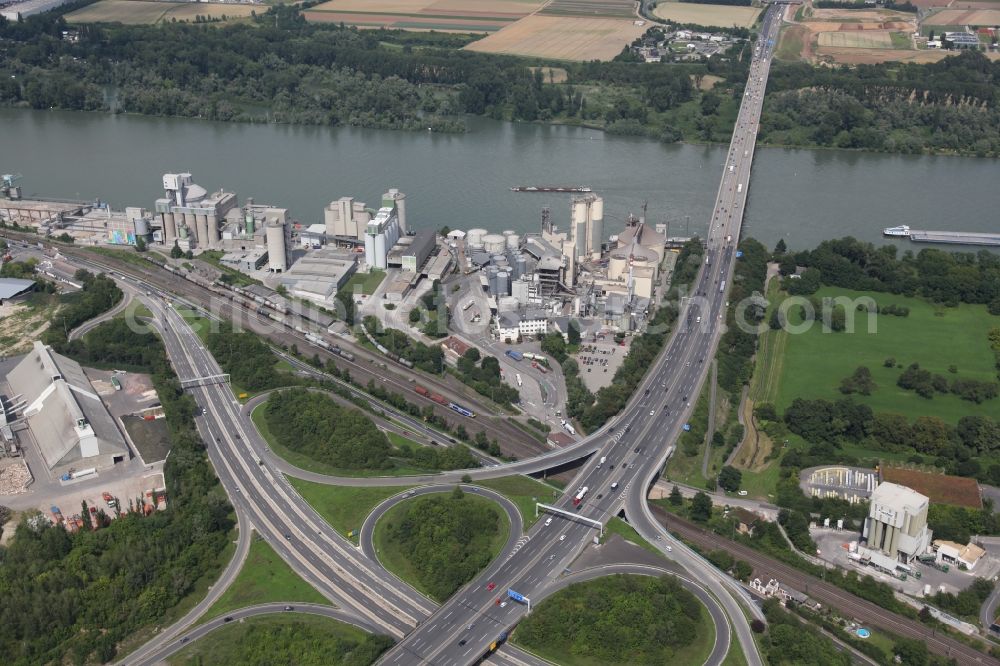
x=464, y=181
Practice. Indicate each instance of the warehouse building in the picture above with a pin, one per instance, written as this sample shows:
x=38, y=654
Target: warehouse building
x=12, y=289
x=897, y=523
x=318, y=276
x=66, y=419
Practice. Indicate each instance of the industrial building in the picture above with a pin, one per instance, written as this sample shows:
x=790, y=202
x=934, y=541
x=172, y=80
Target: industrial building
x=411, y=252
x=896, y=525
x=318, y=276
x=587, y=219
x=66, y=419
x=190, y=215
x=12, y=289
x=21, y=10
x=346, y=220
x=380, y=235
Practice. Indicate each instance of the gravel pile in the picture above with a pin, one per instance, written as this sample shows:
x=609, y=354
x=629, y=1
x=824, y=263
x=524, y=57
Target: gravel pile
x=14, y=479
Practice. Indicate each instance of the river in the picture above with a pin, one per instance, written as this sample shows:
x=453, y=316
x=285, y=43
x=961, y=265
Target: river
x=463, y=181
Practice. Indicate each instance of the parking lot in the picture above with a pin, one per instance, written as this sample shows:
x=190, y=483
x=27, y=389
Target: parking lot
x=598, y=363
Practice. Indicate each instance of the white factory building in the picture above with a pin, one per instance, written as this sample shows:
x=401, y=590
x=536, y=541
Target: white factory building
x=896, y=525
x=67, y=422
x=190, y=215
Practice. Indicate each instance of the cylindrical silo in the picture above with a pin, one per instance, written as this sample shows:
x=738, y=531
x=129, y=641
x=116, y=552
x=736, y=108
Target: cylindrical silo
x=380, y=251
x=141, y=228
x=474, y=239
x=520, y=266
x=183, y=231
x=493, y=243
x=498, y=259
x=169, y=229
x=277, y=260
x=491, y=277
x=213, y=232
x=503, y=283
x=617, y=265
x=192, y=226
x=513, y=242
x=204, y=238
x=507, y=232
x=249, y=224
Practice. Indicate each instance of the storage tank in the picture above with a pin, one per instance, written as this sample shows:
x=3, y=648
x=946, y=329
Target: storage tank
x=617, y=265
x=142, y=227
x=169, y=228
x=491, y=277
x=493, y=243
x=277, y=261
x=520, y=266
x=249, y=224
x=513, y=242
x=507, y=232
x=503, y=283
x=474, y=239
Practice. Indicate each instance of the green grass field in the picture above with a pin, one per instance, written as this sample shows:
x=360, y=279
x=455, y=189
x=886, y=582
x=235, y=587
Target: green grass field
x=618, y=526
x=394, y=560
x=935, y=337
x=524, y=492
x=314, y=637
x=367, y=282
x=344, y=508
x=264, y=578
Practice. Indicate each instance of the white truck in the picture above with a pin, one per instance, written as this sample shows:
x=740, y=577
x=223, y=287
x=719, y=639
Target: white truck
x=739, y=187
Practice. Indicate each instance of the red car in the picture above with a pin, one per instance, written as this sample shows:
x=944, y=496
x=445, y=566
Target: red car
x=491, y=587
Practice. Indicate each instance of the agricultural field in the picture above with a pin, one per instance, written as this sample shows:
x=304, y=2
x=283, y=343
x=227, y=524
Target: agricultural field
x=441, y=15
x=590, y=8
x=975, y=17
x=815, y=362
x=562, y=38
x=140, y=12
x=722, y=16
x=856, y=40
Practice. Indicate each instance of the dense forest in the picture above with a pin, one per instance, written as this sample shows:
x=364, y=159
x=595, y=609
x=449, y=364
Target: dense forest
x=617, y=619
x=72, y=598
x=445, y=538
x=951, y=106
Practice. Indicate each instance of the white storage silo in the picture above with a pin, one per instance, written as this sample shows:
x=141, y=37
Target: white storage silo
x=493, y=243
x=277, y=260
x=513, y=242
x=474, y=239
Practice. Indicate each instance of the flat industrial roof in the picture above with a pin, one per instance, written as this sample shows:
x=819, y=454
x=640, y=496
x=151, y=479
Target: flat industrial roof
x=11, y=287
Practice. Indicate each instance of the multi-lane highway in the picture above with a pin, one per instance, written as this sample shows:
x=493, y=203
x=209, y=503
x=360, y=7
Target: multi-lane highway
x=631, y=453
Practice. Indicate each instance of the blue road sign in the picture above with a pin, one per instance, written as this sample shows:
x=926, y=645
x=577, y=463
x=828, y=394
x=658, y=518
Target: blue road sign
x=516, y=596
x=687, y=426
x=739, y=253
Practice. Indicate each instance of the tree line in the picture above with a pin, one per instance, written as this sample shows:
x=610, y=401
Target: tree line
x=75, y=597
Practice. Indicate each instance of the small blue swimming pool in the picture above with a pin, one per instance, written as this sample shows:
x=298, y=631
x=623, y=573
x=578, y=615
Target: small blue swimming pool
x=863, y=633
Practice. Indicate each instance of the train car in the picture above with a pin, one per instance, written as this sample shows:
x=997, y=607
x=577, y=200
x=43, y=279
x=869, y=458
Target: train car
x=462, y=410
x=405, y=362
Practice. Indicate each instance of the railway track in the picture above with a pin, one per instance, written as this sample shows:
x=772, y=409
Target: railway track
x=849, y=604
x=366, y=367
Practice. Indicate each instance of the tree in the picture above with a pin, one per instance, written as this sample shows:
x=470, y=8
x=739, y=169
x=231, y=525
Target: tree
x=140, y=244
x=573, y=332
x=675, y=496
x=730, y=478
x=742, y=570
x=414, y=316
x=176, y=252
x=701, y=507
x=780, y=248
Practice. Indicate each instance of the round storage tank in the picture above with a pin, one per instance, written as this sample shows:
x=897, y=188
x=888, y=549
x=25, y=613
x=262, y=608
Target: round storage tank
x=513, y=242
x=474, y=238
x=142, y=227
x=493, y=243
x=617, y=266
x=507, y=232
x=277, y=261
x=520, y=267
x=503, y=283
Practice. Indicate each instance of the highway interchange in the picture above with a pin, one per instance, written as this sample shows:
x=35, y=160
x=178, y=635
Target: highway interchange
x=628, y=457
